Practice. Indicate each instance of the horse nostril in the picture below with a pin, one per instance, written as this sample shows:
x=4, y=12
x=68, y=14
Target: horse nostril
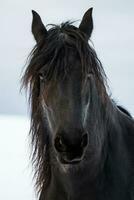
x=59, y=145
x=84, y=141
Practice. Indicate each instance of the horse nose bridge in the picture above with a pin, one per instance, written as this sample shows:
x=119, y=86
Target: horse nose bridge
x=70, y=110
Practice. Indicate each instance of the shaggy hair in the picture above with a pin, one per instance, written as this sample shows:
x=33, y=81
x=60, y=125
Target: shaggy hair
x=51, y=55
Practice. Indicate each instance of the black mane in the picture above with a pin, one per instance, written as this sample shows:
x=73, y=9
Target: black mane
x=55, y=50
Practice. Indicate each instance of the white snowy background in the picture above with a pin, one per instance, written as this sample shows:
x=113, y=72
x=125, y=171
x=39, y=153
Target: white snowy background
x=113, y=38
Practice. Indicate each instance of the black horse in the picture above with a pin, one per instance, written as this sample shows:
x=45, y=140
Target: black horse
x=83, y=143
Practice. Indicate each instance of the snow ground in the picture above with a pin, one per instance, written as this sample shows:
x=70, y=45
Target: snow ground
x=15, y=169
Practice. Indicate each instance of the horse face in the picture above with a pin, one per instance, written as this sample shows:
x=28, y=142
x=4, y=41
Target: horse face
x=65, y=103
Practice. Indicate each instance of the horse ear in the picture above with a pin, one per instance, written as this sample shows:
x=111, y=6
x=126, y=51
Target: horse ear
x=86, y=24
x=38, y=29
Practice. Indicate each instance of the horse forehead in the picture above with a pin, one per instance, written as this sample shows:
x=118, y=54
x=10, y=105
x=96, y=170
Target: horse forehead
x=69, y=85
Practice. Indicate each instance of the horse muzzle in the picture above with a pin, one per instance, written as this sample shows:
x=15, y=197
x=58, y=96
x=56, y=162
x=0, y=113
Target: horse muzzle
x=71, y=153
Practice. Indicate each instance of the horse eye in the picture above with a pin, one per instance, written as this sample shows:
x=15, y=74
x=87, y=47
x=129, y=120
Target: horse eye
x=90, y=74
x=41, y=76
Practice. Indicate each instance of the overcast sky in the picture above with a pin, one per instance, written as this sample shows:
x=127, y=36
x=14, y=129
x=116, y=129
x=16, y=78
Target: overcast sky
x=113, y=38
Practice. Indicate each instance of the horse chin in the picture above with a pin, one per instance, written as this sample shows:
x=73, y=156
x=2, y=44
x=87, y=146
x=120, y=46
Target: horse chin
x=69, y=165
x=70, y=162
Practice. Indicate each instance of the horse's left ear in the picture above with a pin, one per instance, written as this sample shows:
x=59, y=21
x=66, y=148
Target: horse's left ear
x=38, y=29
x=86, y=25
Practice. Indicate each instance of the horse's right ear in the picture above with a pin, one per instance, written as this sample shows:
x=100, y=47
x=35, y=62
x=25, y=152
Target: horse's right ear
x=38, y=29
